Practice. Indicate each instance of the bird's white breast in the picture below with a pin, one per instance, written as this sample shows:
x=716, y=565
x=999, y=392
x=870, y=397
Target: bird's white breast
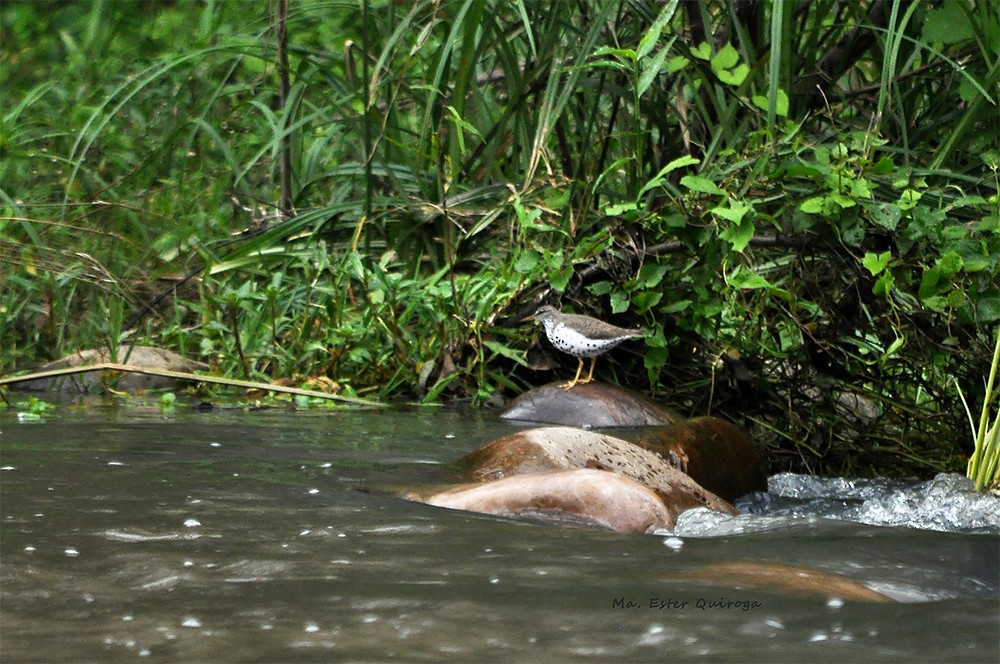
x=570, y=341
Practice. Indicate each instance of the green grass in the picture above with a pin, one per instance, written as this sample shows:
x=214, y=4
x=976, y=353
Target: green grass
x=794, y=242
x=984, y=465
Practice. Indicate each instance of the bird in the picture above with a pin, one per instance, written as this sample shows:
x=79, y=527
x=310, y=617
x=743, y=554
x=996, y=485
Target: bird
x=581, y=336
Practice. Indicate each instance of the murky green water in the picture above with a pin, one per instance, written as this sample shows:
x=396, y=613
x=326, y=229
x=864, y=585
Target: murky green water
x=233, y=536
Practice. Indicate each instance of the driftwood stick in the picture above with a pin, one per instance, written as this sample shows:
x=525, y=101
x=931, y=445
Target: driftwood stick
x=183, y=375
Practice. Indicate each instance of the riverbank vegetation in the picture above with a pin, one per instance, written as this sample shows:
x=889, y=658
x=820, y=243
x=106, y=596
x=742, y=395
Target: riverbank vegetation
x=798, y=200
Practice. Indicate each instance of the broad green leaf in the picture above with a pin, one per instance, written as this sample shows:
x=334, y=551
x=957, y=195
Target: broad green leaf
x=956, y=298
x=623, y=53
x=646, y=300
x=619, y=301
x=840, y=152
x=955, y=234
x=948, y=24
x=964, y=201
x=741, y=277
x=676, y=64
x=734, y=213
x=950, y=263
x=988, y=309
x=936, y=303
x=841, y=200
x=526, y=262
x=701, y=184
x=655, y=360
x=975, y=258
x=600, y=287
x=861, y=188
x=781, y=103
x=676, y=306
x=620, y=208
x=908, y=199
x=884, y=285
x=814, y=205
x=990, y=222
x=554, y=259
x=648, y=41
x=560, y=278
x=929, y=282
x=651, y=70
x=978, y=263
x=734, y=76
x=883, y=166
x=876, y=263
x=656, y=339
x=726, y=58
x=680, y=162
x=617, y=65
x=796, y=169
x=702, y=51
x=557, y=199
x=650, y=275
x=739, y=234
x=852, y=232
x=884, y=215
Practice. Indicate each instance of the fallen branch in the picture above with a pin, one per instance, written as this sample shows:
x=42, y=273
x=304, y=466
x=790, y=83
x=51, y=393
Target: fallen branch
x=183, y=375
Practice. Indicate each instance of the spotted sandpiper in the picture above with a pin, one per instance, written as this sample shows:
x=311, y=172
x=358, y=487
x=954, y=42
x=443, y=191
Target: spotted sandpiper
x=581, y=336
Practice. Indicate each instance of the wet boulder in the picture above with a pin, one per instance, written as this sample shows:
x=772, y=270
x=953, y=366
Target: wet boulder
x=717, y=454
x=566, y=448
x=780, y=578
x=583, y=497
x=587, y=405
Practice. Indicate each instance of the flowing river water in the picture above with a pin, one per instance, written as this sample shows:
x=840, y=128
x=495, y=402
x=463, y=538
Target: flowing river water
x=233, y=536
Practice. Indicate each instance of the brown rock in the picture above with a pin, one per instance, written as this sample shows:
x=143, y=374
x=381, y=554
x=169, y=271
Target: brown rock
x=717, y=454
x=588, y=404
x=140, y=356
x=787, y=579
x=583, y=496
x=561, y=448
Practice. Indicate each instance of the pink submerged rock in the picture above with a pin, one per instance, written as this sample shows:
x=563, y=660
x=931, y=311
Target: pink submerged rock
x=586, y=496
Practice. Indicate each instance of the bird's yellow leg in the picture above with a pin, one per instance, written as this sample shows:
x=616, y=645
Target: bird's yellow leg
x=576, y=378
x=590, y=374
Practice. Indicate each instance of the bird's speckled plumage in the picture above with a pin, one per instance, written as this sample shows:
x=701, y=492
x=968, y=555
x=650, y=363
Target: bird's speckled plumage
x=581, y=336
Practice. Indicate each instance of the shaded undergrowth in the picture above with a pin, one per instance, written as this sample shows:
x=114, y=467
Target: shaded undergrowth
x=798, y=200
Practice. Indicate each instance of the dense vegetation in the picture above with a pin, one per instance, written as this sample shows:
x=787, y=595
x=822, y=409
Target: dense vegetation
x=799, y=200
